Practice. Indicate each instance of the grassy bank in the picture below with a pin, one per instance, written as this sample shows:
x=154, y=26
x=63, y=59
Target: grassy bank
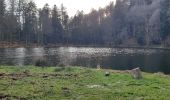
x=79, y=84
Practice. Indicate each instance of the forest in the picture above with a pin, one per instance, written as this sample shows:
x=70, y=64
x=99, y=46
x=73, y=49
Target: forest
x=124, y=23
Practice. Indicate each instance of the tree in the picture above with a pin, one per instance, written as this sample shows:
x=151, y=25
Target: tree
x=13, y=7
x=118, y=20
x=154, y=23
x=56, y=24
x=164, y=18
x=2, y=15
x=30, y=22
x=46, y=23
x=128, y=22
x=20, y=15
x=12, y=25
x=64, y=17
x=40, y=35
x=75, y=27
x=107, y=24
x=2, y=8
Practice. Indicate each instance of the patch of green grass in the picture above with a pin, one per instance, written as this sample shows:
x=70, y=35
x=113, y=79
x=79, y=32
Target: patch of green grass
x=76, y=83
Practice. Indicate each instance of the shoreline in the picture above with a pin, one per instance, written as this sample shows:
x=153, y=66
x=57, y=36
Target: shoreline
x=35, y=45
x=70, y=45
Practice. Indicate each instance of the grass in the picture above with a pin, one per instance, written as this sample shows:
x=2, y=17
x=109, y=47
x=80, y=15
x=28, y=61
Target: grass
x=76, y=83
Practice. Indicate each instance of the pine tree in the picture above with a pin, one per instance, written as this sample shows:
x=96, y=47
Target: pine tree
x=64, y=17
x=12, y=24
x=164, y=18
x=2, y=8
x=2, y=15
x=56, y=24
x=30, y=25
x=46, y=23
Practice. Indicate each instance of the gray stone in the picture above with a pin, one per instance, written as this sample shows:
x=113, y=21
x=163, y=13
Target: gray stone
x=136, y=73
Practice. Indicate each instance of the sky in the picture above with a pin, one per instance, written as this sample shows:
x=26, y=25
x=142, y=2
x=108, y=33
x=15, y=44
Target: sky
x=74, y=5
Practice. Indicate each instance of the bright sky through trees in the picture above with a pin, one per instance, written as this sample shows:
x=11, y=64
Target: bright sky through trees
x=74, y=5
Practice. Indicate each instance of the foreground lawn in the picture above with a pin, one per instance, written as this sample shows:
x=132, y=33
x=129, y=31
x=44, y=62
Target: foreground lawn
x=74, y=83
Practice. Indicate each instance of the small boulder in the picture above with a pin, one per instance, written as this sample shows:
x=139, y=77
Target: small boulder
x=136, y=73
x=107, y=73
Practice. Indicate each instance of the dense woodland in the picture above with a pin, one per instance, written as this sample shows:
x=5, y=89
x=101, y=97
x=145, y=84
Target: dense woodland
x=127, y=23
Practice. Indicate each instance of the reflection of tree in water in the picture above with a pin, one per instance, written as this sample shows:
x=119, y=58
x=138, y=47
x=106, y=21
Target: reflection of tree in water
x=37, y=54
x=88, y=61
x=79, y=56
x=13, y=56
x=119, y=59
x=20, y=54
x=165, y=63
x=66, y=56
x=99, y=61
x=9, y=56
x=2, y=57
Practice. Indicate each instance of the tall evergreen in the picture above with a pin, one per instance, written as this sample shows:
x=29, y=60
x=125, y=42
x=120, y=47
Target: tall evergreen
x=164, y=18
x=30, y=22
x=56, y=24
x=46, y=23
x=64, y=17
x=2, y=15
x=2, y=8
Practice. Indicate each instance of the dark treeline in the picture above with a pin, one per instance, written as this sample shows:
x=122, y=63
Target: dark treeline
x=128, y=22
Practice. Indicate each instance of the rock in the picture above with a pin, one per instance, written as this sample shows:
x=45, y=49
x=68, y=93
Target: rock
x=107, y=73
x=136, y=73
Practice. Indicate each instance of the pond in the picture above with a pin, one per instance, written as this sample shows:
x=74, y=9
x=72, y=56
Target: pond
x=149, y=60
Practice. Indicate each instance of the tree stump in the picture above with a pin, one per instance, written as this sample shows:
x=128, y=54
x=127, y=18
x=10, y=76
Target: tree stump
x=136, y=73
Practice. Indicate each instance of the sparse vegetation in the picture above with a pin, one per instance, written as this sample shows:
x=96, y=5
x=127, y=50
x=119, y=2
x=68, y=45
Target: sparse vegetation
x=55, y=83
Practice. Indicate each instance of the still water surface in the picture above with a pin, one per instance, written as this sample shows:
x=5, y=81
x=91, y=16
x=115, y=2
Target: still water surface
x=149, y=60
